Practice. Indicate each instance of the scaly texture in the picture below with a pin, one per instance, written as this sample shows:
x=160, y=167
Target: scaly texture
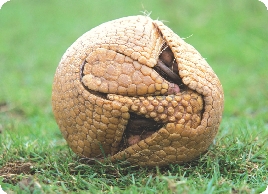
x=118, y=70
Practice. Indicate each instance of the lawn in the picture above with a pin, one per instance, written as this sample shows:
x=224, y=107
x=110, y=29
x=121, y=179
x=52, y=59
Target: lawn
x=34, y=157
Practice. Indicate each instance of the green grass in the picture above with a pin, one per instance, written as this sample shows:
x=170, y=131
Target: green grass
x=231, y=35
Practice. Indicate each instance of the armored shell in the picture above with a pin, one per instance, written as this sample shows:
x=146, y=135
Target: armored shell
x=131, y=89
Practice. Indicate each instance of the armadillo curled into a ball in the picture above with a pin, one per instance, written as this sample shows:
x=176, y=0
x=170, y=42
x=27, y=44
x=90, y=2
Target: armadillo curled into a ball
x=131, y=89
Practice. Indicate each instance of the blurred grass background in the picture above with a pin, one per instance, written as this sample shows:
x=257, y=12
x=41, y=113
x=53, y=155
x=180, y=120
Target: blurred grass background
x=231, y=35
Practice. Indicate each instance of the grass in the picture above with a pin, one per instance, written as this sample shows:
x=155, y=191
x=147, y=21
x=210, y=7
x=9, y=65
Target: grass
x=231, y=35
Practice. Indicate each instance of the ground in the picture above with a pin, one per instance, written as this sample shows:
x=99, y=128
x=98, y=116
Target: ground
x=34, y=157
